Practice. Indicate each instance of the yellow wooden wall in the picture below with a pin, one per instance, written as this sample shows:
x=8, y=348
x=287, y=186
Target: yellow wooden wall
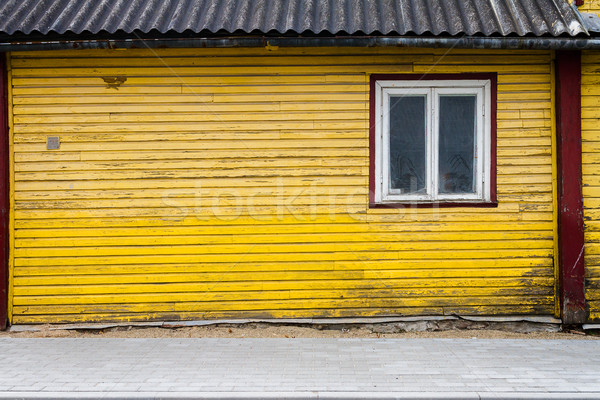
x=590, y=6
x=590, y=113
x=143, y=212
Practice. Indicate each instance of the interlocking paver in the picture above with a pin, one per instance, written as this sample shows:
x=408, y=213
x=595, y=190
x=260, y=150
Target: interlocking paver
x=299, y=368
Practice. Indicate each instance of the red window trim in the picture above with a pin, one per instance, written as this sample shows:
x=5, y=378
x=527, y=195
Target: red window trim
x=493, y=78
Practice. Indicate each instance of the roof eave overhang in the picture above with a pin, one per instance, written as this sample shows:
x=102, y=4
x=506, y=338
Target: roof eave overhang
x=538, y=43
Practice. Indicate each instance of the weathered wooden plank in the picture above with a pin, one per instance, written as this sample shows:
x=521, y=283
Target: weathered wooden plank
x=591, y=176
x=268, y=292
x=455, y=268
x=116, y=316
x=116, y=304
x=283, y=257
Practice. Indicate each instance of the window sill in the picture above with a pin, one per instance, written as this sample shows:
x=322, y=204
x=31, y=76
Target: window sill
x=454, y=204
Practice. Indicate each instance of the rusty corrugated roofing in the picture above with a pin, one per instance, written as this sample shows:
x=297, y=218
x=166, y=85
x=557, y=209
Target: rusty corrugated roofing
x=291, y=17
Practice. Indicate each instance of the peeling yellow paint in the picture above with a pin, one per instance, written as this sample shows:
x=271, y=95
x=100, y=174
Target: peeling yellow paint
x=229, y=183
x=590, y=6
x=11, y=191
x=591, y=174
x=557, y=312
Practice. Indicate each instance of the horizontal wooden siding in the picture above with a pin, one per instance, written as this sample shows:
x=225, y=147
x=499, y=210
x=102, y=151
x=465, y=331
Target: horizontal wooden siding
x=590, y=113
x=592, y=6
x=224, y=183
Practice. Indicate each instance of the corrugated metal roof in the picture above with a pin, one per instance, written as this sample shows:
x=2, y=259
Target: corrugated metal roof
x=591, y=21
x=292, y=17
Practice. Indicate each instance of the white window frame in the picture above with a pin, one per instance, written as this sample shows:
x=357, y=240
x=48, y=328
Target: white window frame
x=384, y=89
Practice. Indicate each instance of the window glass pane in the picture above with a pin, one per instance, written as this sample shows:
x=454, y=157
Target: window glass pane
x=407, y=144
x=457, y=139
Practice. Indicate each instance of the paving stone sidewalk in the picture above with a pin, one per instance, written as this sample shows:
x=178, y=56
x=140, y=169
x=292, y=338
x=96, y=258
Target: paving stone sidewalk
x=299, y=368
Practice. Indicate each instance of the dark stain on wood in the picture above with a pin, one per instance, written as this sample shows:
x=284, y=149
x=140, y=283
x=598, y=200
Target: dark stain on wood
x=113, y=82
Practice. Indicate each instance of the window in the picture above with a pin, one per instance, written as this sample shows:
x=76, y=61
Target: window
x=432, y=141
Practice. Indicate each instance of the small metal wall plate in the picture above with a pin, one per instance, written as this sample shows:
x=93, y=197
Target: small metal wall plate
x=52, y=143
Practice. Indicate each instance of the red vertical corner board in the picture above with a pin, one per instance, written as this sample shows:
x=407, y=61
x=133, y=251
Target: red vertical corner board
x=570, y=197
x=4, y=196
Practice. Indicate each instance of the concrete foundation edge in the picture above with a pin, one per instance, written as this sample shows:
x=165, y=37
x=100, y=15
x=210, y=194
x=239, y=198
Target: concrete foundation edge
x=300, y=321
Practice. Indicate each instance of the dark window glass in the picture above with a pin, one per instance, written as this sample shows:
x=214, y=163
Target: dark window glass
x=407, y=144
x=457, y=125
